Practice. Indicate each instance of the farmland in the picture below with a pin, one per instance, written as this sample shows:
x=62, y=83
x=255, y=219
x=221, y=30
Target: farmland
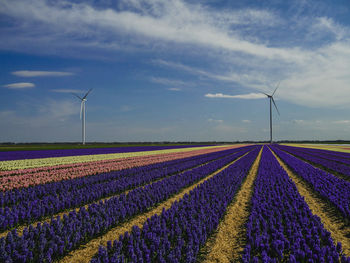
x=230, y=203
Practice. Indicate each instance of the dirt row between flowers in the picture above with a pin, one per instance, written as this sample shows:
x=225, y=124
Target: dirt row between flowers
x=30, y=177
x=340, y=232
x=227, y=244
x=21, y=228
x=319, y=166
x=333, y=148
x=87, y=251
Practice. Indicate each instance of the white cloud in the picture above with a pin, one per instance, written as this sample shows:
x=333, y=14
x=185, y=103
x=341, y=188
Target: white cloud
x=324, y=25
x=58, y=124
x=250, y=78
x=246, y=121
x=215, y=121
x=245, y=39
x=43, y=113
x=242, y=96
x=321, y=82
x=169, y=82
x=342, y=122
x=171, y=21
x=34, y=73
x=58, y=109
x=298, y=121
x=182, y=67
x=174, y=89
x=20, y=85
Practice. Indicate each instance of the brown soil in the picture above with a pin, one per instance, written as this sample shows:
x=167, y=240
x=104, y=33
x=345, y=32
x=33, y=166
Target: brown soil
x=87, y=251
x=229, y=241
x=335, y=224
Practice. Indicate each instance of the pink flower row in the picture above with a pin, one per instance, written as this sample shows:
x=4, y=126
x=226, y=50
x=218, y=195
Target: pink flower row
x=41, y=175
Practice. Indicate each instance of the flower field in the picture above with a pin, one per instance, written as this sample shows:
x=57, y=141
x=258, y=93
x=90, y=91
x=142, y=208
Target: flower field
x=36, y=154
x=233, y=203
x=15, y=164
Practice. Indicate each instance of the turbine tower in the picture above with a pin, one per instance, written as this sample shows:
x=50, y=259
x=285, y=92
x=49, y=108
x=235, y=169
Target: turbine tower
x=272, y=101
x=82, y=113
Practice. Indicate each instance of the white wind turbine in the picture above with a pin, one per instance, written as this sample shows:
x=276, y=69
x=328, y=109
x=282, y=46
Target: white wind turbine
x=82, y=113
x=272, y=101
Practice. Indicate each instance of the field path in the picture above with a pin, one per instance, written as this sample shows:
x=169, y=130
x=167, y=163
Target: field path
x=335, y=224
x=87, y=251
x=228, y=243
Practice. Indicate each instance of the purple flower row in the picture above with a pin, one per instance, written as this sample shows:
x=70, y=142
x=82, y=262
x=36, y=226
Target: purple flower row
x=179, y=232
x=329, y=162
x=325, y=153
x=73, y=193
x=49, y=241
x=333, y=189
x=281, y=227
x=330, y=155
x=14, y=196
x=20, y=155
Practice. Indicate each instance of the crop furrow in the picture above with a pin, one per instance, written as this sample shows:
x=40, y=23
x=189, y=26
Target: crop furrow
x=281, y=226
x=228, y=242
x=339, y=229
x=178, y=233
x=116, y=187
x=334, y=190
x=340, y=169
x=63, y=235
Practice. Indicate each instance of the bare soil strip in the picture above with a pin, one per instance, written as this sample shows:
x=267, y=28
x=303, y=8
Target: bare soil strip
x=340, y=232
x=334, y=148
x=87, y=251
x=321, y=167
x=228, y=243
x=20, y=229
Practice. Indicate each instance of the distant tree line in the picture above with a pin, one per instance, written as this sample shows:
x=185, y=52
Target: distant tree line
x=173, y=142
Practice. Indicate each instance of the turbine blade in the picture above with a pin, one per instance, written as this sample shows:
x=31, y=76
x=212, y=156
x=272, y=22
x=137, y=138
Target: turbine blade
x=265, y=94
x=81, y=108
x=87, y=93
x=77, y=96
x=276, y=88
x=274, y=103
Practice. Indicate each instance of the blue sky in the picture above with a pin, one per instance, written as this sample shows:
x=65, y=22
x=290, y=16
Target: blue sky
x=172, y=70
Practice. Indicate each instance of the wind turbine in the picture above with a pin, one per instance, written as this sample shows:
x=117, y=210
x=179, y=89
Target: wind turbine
x=272, y=101
x=82, y=113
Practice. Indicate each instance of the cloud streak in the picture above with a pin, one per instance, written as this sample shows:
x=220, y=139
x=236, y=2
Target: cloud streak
x=250, y=96
x=169, y=82
x=253, y=48
x=215, y=121
x=34, y=73
x=171, y=21
x=174, y=89
x=20, y=85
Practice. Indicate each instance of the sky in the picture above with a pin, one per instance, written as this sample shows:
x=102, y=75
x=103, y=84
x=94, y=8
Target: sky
x=174, y=70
